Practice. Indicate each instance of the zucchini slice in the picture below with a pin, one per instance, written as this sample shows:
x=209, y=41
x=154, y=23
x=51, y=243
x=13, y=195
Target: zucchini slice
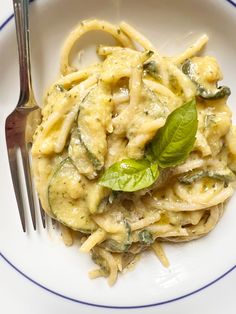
x=225, y=175
x=119, y=242
x=189, y=69
x=78, y=153
x=221, y=92
x=97, y=194
x=94, y=120
x=100, y=261
x=67, y=198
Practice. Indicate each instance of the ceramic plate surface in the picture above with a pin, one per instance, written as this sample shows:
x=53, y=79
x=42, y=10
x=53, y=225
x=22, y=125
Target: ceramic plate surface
x=41, y=256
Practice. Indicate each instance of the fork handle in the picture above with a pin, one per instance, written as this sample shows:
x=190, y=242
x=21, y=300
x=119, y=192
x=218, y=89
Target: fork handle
x=22, y=33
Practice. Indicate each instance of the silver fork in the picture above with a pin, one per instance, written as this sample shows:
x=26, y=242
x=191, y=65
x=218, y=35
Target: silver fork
x=21, y=123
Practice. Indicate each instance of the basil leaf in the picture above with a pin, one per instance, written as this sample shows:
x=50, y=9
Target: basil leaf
x=130, y=175
x=174, y=141
x=171, y=145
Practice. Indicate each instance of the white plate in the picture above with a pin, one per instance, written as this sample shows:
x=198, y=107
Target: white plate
x=41, y=257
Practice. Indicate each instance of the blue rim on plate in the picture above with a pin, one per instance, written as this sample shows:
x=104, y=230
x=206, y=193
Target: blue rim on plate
x=103, y=305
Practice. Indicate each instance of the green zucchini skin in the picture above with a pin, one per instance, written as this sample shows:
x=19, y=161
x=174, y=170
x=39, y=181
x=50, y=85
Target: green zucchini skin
x=222, y=91
x=94, y=118
x=225, y=175
x=117, y=246
x=78, y=153
x=100, y=261
x=203, y=92
x=97, y=194
x=67, y=208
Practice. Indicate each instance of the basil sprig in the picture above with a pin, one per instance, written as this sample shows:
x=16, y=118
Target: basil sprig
x=170, y=147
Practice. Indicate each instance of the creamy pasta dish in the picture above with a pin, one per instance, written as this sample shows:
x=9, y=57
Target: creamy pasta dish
x=135, y=149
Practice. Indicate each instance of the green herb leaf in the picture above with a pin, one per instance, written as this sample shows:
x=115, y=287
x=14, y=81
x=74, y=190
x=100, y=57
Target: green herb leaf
x=174, y=141
x=130, y=175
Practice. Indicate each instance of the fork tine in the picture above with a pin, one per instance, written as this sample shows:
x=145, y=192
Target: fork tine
x=28, y=180
x=43, y=216
x=15, y=179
